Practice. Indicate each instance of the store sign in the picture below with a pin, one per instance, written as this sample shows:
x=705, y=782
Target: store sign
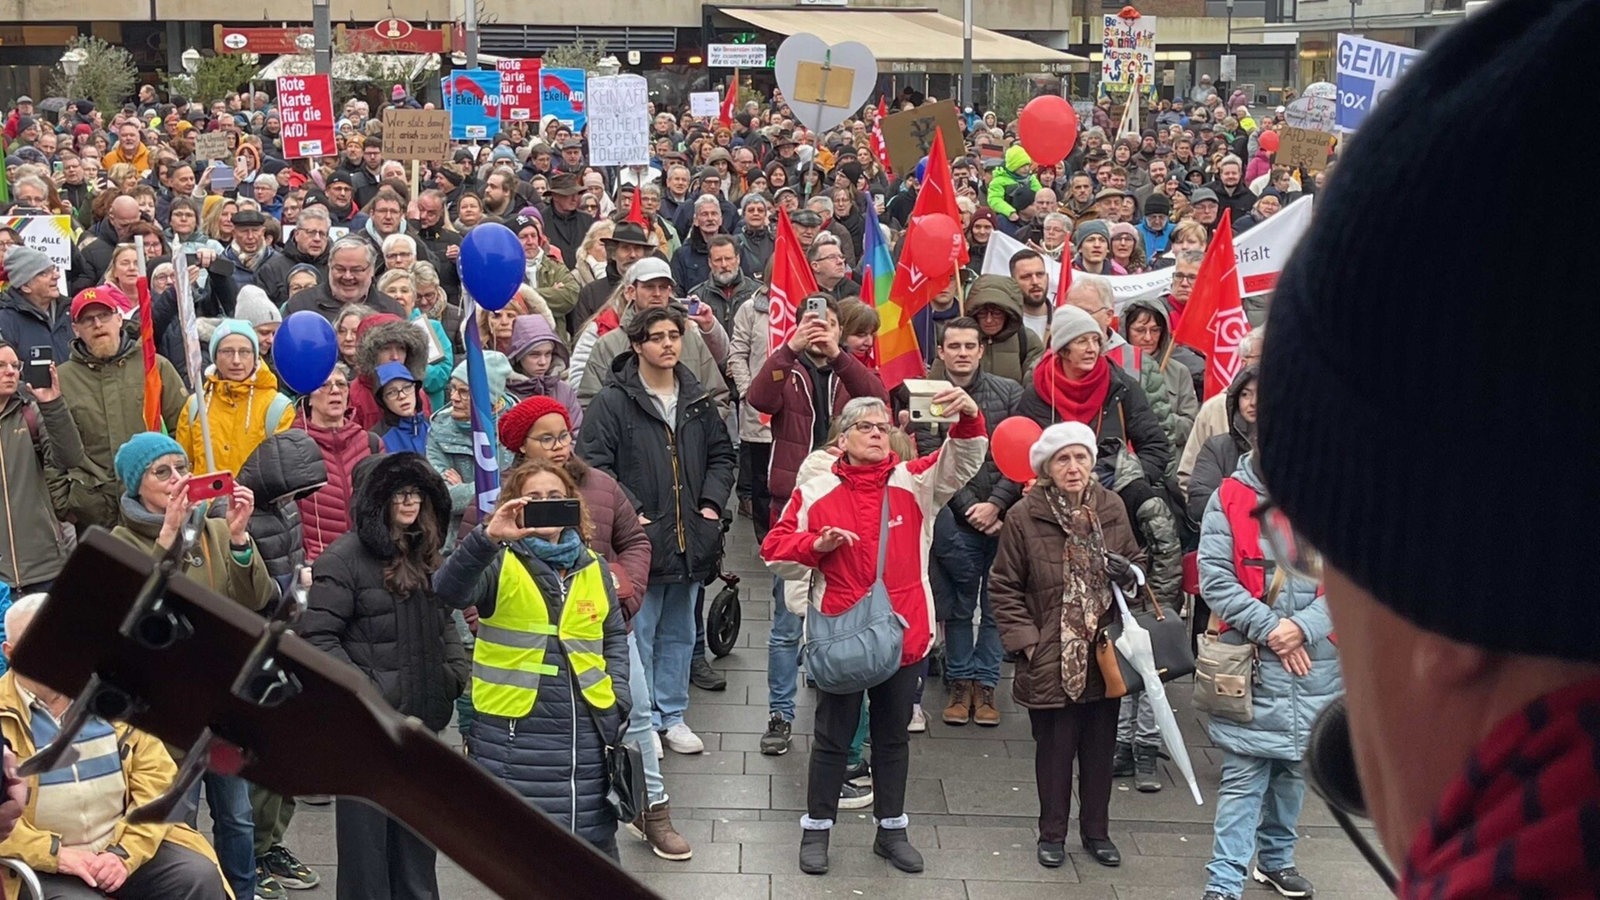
x=736, y=56
x=260, y=40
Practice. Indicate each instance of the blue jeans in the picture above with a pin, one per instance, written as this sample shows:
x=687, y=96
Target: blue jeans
x=639, y=723
x=958, y=570
x=233, y=828
x=1254, y=790
x=783, y=655
x=664, y=629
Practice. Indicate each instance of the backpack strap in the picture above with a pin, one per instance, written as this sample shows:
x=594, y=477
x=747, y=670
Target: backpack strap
x=275, y=410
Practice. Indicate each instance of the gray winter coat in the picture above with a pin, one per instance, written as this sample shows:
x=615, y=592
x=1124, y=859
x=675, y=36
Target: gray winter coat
x=554, y=756
x=284, y=468
x=1285, y=705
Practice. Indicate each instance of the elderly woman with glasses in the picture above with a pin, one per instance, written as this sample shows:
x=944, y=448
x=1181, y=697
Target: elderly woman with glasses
x=832, y=525
x=1264, y=593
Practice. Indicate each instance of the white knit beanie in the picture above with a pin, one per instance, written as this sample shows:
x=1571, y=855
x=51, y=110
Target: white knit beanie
x=1057, y=437
x=1069, y=324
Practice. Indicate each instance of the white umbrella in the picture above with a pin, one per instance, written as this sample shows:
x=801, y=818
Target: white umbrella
x=1134, y=643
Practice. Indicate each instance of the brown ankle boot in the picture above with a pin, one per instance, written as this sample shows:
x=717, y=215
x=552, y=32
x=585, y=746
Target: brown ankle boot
x=656, y=823
x=959, y=710
x=983, y=708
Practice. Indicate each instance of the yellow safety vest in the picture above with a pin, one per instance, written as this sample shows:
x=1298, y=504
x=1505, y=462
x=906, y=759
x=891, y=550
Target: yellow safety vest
x=509, y=658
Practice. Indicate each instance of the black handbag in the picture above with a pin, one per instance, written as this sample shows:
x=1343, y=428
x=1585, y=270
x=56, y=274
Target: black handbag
x=625, y=789
x=1169, y=643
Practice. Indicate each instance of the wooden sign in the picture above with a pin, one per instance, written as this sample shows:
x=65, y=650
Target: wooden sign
x=1304, y=148
x=212, y=145
x=824, y=85
x=416, y=134
x=909, y=133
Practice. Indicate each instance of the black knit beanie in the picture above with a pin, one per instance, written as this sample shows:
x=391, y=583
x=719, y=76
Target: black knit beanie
x=1415, y=323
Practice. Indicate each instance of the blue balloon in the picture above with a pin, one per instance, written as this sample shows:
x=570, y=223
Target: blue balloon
x=305, y=351
x=492, y=264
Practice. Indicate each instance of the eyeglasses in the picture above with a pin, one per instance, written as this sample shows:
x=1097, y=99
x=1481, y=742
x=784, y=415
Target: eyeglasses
x=1289, y=548
x=310, y=233
x=870, y=427
x=164, y=471
x=335, y=387
x=10, y=366
x=351, y=270
x=1181, y=278
x=396, y=393
x=552, y=441
x=836, y=257
x=408, y=496
x=459, y=391
x=236, y=353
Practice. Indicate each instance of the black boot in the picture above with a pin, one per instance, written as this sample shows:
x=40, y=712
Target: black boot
x=814, y=852
x=1145, y=777
x=893, y=845
x=1122, y=763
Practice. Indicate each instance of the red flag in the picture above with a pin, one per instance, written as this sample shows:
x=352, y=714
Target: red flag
x=875, y=141
x=152, y=375
x=636, y=212
x=1214, y=322
x=913, y=288
x=1064, y=280
x=730, y=99
x=792, y=281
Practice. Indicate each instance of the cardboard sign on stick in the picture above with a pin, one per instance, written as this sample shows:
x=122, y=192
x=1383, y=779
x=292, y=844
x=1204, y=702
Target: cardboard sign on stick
x=1303, y=147
x=416, y=134
x=909, y=133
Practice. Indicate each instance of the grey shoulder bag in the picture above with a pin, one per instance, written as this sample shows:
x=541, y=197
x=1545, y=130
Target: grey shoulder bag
x=859, y=648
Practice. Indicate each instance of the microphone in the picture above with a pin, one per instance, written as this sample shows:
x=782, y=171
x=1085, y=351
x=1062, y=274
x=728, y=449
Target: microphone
x=1331, y=770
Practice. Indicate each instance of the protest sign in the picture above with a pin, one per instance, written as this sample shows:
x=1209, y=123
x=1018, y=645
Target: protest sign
x=416, y=134
x=909, y=133
x=472, y=97
x=305, y=109
x=519, y=89
x=1304, y=148
x=705, y=104
x=212, y=145
x=736, y=56
x=563, y=93
x=1128, y=51
x=619, y=121
x=1317, y=109
x=1261, y=253
x=1367, y=70
x=50, y=235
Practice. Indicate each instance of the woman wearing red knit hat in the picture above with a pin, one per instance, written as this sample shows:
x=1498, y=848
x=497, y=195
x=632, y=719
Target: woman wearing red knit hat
x=538, y=428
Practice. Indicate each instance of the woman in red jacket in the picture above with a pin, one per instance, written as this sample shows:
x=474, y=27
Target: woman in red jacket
x=326, y=514
x=830, y=527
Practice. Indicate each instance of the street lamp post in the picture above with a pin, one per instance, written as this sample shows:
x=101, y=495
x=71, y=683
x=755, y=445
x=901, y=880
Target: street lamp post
x=190, y=60
x=966, y=53
x=471, y=15
x=608, y=66
x=322, y=35
x=72, y=61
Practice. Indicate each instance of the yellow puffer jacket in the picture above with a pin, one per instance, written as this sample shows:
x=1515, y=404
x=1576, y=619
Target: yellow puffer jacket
x=238, y=414
x=146, y=768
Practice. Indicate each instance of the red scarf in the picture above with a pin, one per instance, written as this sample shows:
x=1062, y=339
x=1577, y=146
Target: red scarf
x=1074, y=401
x=1520, y=821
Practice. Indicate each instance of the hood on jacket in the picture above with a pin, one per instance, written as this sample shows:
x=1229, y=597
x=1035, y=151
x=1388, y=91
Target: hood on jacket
x=1156, y=308
x=1002, y=292
x=1236, y=426
x=375, y=332
x=376, y=479
x=1246, y=473
x=528, y=331
x=285, y=466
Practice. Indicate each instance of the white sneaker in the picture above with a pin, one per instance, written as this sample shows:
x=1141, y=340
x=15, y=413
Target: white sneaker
x=681, y=740
x=655, y=741
x=919, y=721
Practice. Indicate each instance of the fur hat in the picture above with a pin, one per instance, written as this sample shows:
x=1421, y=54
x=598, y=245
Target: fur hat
x=376, y=480
x=375, y=332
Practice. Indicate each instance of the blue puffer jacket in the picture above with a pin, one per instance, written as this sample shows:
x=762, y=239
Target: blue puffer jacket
x=554, y=756
x=1284, y=704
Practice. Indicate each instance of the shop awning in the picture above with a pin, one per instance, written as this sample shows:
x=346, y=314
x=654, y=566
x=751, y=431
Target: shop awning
x=910, y=40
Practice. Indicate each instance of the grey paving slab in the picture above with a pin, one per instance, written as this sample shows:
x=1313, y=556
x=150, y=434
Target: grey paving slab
x=811, y=887
x=722, y=791
x=923, y=795
x=709, y=856
x=702, y=885
x=787, y=834
x=1015, y=890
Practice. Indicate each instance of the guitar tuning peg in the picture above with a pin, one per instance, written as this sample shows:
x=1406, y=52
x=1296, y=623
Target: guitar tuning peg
x=97, y=699
x=151, y=620
x=262, y=679
x=170, y=807
x=292, y=603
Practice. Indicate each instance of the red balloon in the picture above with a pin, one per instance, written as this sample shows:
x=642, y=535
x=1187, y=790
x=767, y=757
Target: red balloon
x=1268, y=141
x=1012, y=442
x=1048, y=129
x=932, y=244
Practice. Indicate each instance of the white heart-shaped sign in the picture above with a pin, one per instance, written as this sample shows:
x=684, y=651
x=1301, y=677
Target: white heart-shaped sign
x=1316, y=109
x=796, y=69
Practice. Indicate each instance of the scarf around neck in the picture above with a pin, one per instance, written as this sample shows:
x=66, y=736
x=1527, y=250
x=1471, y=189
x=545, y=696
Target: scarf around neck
x=1086, y=595
x=1523, y=818
x=1073, y=401
x=561, y=555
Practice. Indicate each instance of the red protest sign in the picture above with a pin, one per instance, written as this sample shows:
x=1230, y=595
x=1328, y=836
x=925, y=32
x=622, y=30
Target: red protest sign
x=305, y=107
x=519, y=89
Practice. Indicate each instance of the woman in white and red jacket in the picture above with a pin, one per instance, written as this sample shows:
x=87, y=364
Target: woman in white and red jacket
x=829, y=533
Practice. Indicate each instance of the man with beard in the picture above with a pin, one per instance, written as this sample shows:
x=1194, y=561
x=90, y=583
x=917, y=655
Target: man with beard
x=103, y=384
x=369, y=177
x=308, y=245
x=500, y=195
x=341, y=194
x=1080, y=195
x=1028, y=271
x=1230, y=188
x=352, y=266
x=442, y=243
x=100, y=243
x=627, y=245
x=73, y=184
x=249, y=250
x=554, y=281
x=350, y=161
x=565, y=224
x=728, y=287
x=755, y=239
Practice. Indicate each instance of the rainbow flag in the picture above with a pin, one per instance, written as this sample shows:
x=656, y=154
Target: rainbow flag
x=896, y=352
x=485, y=439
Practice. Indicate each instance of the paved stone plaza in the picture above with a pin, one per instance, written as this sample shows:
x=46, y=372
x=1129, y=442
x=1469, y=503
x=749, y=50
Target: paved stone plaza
x=971, y=801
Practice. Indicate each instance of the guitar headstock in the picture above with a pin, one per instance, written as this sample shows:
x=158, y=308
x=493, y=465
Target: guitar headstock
x=251, y=698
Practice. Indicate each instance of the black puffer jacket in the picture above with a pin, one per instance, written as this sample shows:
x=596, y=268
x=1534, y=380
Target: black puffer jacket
x=997, y=397
x=668, y=470
x=284, y=468
x=1219, y=455
x=554, y=756
x=407, y=646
